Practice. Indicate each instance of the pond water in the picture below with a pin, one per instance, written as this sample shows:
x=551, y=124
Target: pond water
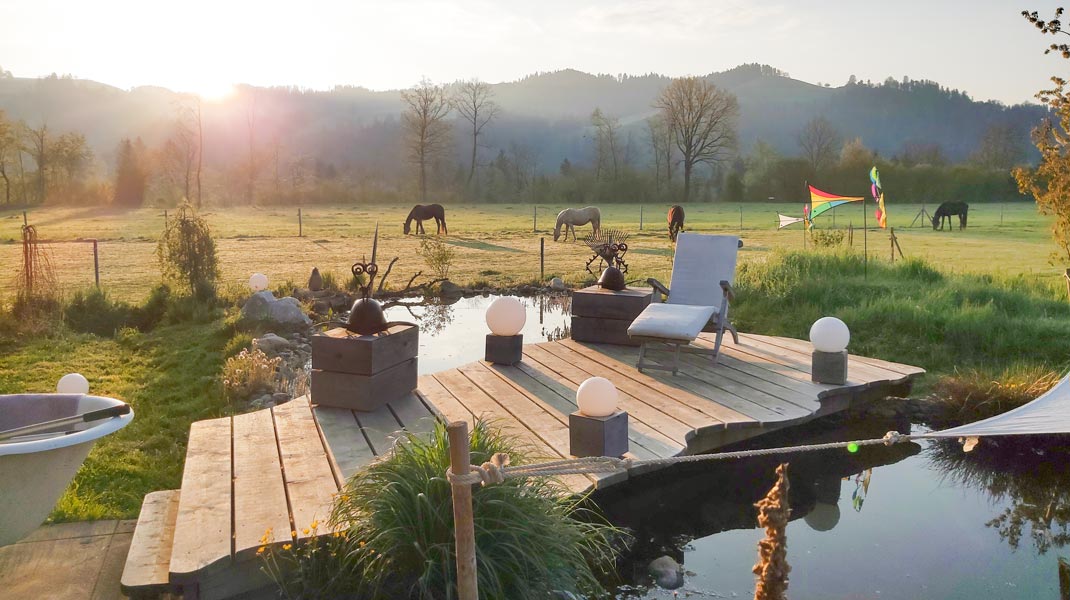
x=911, y=521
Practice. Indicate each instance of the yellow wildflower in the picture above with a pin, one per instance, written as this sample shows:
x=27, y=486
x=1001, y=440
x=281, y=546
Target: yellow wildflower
x=305, y=531
x=260, y=550
x=287, y=546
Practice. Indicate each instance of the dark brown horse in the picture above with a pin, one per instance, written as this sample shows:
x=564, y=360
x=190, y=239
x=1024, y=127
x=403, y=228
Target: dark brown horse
x=676, y=221
x=945, y=210
x=422, y=212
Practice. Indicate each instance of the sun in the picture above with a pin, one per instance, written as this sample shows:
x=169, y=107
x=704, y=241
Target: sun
x=213, y=90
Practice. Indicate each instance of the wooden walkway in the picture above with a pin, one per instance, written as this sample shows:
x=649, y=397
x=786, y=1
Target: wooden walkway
x=280, y=468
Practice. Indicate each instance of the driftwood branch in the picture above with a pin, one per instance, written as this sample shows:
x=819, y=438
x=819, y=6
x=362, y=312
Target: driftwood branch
x=382, y=279
x=408, y=286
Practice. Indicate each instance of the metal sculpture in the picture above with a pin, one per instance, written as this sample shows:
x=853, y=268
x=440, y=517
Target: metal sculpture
x=367, y=316
x=609, y=247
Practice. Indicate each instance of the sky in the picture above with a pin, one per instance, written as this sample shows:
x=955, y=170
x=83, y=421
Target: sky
x=983, y=47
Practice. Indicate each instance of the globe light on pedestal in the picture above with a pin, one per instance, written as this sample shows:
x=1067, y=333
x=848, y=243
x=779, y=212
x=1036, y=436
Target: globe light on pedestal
x=506, y=316
x=829, y=334
x=72, y=383
x=597, y=397
x=258, y=282
x=830, y=337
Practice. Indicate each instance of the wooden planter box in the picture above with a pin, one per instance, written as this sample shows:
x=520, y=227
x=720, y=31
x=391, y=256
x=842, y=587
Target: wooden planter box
x=364, y=372
x=603, y=316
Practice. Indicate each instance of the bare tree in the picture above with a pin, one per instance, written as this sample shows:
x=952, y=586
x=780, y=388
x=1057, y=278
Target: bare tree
x=252, y=166
x=200, y=150
x=473, y=101
x=9, y=147
x=1002, y=147
x=702, y=119
x=820, y=143
x=35, y=142
x=181, y=154
x=607, y=144
x=426, y=126
x=661, y=147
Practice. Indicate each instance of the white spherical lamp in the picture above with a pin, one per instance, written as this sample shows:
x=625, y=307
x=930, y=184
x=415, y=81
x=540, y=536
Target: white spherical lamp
x=597, y=397
x=73, y=383
x=258, y=282
x=823, y=517
x=829, y=334
x=506, y=316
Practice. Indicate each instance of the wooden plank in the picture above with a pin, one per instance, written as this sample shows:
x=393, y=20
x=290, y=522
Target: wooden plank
x=380, y=427
x=306, y=468
x=348, y=447
x=608, y=366
x=413, y=415
x=203, y=525
x=497, y=416
x=724, y=391
x=560, y=398
x=444, y=402
x=857, y=374
x=762, y=370
x=806, y=347
x=655, y=415
x=259, y=491
x=563, y=386
x=147, y=562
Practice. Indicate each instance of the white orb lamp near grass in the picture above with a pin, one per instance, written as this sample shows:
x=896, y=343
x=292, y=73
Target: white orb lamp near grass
x=830, y=337
x=72, y=383
x=505, y=318
x=598, y=428
x=258, y=282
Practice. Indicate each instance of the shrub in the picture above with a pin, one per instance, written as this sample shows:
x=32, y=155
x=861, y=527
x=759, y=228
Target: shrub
x=826, y=238
x=147, y=316
x=438, y=256
x=249, y=373
x=186, y=252
x=396, y=539
x=91, y=311
x=972, y=395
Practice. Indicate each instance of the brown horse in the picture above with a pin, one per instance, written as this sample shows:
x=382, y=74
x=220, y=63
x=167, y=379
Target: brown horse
x=676, y=221
x=944, y=212
x=421, y=212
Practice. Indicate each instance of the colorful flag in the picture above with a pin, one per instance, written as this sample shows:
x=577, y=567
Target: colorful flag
x=882, y=215
x=878, y=197
x=785, y=220
x=824, y=201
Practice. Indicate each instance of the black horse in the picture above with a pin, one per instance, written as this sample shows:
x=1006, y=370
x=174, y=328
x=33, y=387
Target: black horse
x=945, y=210
x=676, y=221
x=421, y=212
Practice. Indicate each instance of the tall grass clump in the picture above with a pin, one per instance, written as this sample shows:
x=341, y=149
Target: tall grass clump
x=971, y=394
x=908, y=312
x=395, y=520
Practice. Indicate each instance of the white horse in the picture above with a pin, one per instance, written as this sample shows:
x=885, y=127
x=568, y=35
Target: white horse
x=570, y=217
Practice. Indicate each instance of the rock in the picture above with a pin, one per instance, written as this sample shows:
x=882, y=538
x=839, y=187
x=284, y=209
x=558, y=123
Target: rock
x=262, y=306
x=450, y=289
x=340, y=303
x=280, y=397
x=320, y=307
x=667, y=573
x=265, y=401
x=271, y=344
x=315, y=281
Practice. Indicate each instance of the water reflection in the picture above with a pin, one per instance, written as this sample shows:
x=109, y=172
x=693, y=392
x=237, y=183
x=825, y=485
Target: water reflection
x=1028, y=475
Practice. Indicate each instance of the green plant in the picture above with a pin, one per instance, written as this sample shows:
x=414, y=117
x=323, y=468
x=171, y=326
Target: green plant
x=437, y=255
x=186, y=252
x=91, y=311
x=356, y=281
x=248, y=373
x=330, y=282
x=826, y=238
x=971, y=394
x=397, y=522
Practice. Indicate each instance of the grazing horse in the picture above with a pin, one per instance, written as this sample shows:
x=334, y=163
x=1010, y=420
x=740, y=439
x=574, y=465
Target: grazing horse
x=421, y=212
x=945, y=210
x=570, y=217
x=676, y=221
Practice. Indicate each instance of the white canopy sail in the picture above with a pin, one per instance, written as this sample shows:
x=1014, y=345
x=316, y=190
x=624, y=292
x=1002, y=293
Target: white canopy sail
x=785, y=220
x=1050, y=413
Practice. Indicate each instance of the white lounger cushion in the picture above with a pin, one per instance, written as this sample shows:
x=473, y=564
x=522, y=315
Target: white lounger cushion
x=671, y=321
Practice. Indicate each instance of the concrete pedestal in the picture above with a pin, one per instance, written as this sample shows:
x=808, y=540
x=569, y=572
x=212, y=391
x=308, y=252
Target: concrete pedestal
x=829, y=367
x=602, y=316
x=504, y=349
x=598, y=436
x=364, y=372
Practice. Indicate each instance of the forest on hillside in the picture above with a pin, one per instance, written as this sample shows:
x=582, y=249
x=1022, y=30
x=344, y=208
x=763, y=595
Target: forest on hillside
x=564, y=136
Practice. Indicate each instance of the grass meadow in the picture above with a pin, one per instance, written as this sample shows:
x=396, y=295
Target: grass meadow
x=497, y=244
x=985, y=301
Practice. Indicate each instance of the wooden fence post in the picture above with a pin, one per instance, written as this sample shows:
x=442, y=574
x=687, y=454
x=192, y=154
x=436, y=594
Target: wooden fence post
x=535, y=218
x=850, y=235
x=464, y=529
x=300, y=225
x=640, y=217
x=96, y=264
x=891, y=242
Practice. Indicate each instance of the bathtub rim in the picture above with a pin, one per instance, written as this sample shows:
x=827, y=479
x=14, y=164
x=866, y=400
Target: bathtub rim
x=89, y=434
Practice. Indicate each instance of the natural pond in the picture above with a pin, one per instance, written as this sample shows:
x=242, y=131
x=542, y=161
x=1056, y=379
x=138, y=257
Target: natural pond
x=910, y=521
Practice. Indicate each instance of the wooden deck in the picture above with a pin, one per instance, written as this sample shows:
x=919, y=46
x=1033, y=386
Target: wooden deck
x=280, y=468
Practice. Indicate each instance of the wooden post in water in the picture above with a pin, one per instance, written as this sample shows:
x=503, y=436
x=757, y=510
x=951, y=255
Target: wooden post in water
x=464, y=529
x=542, y=259
x=300, y=225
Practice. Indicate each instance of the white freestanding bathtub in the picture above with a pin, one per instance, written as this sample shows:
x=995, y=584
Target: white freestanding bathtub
x=36, y=469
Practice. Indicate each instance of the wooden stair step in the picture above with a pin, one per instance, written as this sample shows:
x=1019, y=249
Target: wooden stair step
x=147, y=570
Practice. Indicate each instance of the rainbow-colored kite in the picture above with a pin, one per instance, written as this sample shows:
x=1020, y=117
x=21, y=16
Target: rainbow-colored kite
x=823, y=201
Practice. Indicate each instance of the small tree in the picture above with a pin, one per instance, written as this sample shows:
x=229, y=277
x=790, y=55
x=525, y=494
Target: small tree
x=187, y=251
